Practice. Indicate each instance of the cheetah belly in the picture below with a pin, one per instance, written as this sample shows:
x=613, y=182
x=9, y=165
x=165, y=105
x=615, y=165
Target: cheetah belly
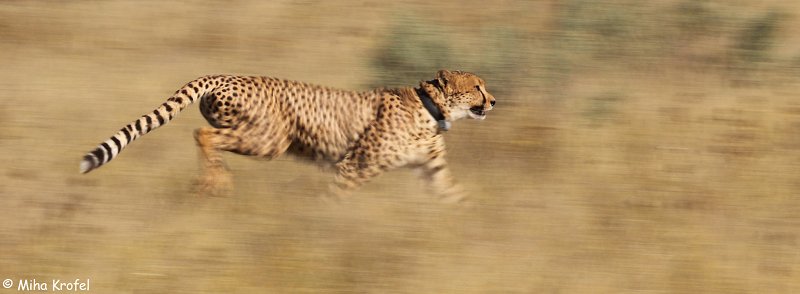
x=320, y=143
x=328, y=140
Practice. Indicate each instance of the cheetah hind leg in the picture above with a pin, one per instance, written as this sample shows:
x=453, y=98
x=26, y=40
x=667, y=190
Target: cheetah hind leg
x=216, y=179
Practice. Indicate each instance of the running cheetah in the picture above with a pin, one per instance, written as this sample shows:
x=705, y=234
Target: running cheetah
x=363, y=134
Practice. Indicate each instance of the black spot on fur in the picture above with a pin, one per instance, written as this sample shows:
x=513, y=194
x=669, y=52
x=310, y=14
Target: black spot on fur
x=159, y=117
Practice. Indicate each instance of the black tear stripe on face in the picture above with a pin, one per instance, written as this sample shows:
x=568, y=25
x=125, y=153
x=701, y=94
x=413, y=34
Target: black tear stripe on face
x=482, y=95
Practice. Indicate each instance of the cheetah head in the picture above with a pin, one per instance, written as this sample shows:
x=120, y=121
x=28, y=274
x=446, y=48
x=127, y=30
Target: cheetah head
x=464, y=94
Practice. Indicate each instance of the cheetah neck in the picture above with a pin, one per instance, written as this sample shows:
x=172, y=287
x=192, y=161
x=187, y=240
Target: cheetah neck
x=434, y=110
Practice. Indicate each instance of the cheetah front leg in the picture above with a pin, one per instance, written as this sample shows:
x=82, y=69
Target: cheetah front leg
x=351, y=174
x=437, y=174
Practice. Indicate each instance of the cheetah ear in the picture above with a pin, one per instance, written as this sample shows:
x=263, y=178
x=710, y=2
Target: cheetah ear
x=444, y=77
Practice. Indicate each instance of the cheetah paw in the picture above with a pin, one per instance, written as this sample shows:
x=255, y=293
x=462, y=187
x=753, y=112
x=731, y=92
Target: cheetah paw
x=215, y=184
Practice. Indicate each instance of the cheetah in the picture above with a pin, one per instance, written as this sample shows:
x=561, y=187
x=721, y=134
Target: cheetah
x=361, y=134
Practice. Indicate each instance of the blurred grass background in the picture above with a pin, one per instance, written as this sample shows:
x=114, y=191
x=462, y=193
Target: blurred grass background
x=637, y=147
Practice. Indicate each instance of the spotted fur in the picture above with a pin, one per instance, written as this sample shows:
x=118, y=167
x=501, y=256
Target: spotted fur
x=362, y=133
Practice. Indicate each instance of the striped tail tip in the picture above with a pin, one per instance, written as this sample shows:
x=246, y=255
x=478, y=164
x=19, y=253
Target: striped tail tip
x=87, y=164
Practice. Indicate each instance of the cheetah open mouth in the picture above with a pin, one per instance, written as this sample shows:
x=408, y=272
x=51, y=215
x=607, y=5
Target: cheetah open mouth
x=477, y=112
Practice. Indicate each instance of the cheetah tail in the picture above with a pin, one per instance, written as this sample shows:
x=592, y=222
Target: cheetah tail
x=110, y=148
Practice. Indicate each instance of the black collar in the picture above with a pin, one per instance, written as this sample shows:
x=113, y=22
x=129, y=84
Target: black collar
x=437, y=114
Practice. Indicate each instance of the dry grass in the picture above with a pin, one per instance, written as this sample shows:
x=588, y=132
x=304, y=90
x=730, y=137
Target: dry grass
x=664, y=176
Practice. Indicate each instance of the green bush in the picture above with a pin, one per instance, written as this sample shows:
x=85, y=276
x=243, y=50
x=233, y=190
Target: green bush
x=757, y=37
x=416, y=48
x=413, y=49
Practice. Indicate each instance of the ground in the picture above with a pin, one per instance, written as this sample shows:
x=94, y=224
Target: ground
x=604, y=178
